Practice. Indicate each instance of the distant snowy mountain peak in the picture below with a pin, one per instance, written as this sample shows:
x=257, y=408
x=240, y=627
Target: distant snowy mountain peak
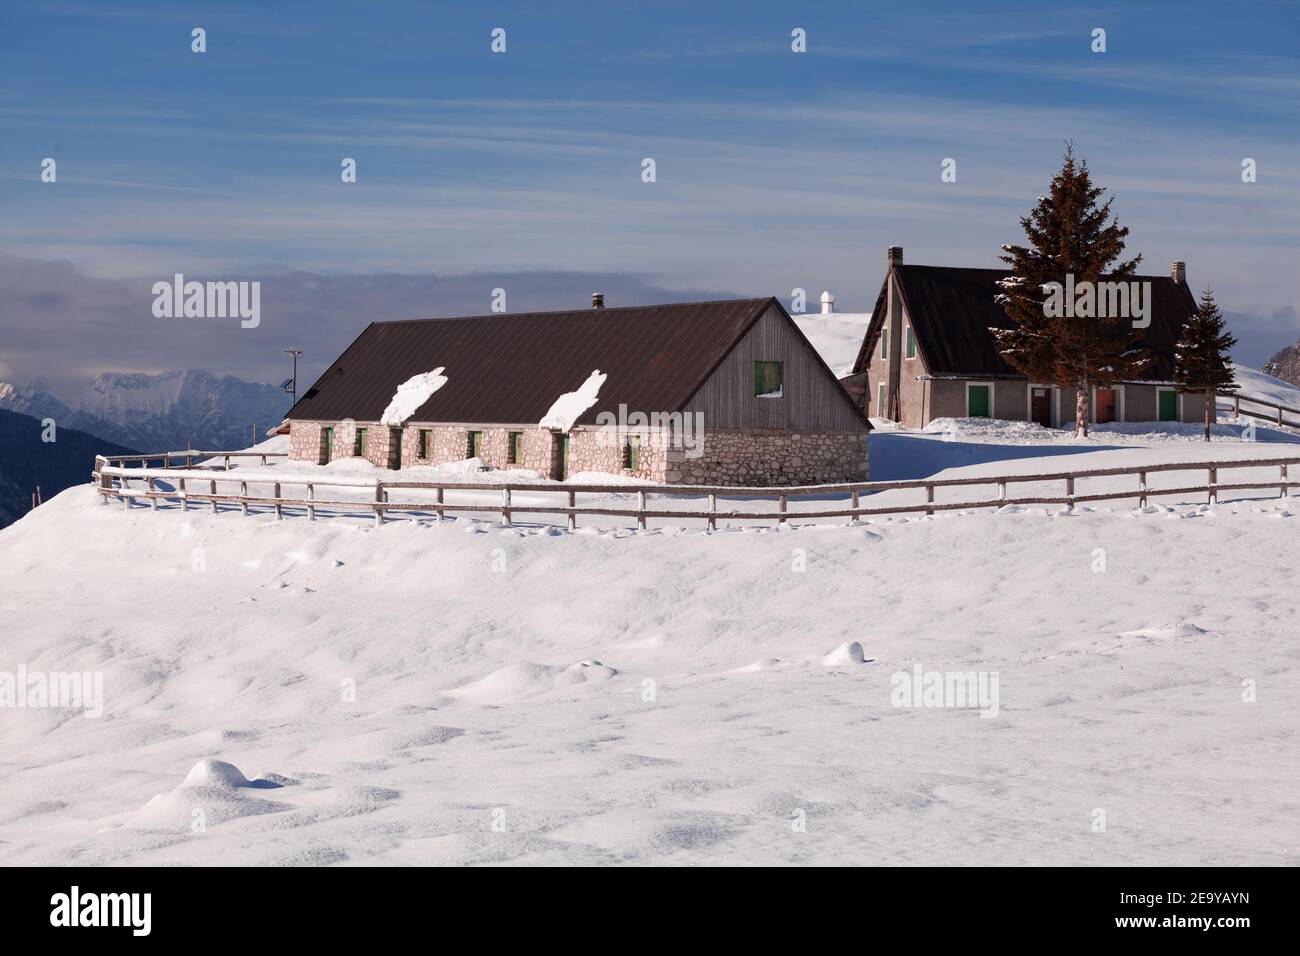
x=160, y=412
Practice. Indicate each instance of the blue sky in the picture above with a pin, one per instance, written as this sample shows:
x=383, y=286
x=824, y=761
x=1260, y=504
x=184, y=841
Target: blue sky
x=522, y=169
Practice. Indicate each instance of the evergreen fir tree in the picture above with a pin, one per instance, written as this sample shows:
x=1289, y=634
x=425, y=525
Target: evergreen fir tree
x=1069, y=234
x=1201, y=360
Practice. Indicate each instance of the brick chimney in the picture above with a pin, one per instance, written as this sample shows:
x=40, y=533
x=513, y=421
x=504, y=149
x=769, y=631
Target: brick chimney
x=895, y=256
x=598, y=300
x=1179, y=271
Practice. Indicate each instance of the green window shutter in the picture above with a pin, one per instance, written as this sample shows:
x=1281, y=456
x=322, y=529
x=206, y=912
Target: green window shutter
x=329, y=445
x=1168, y=406
x=515, y=447
x=911, y=343
x=475, y=448
x=361, y=443
x=977, y=401
x=884, y=344
x=632, y=452
x=767, y=378
x=423, y=449
x=880, y=400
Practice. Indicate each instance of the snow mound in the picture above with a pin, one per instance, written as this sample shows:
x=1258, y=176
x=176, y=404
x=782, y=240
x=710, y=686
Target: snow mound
x=850, y=652
x=215, y=773
x=569, y=406
x=765, y=664
x=411, y=394
x=525, y=679
x=1167, y=631
x=213, y=792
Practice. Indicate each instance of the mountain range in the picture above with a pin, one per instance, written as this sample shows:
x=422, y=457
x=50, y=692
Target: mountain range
x=156, y=413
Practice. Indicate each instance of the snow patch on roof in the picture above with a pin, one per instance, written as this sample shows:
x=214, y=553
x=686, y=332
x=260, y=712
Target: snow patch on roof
x=569, y=406
x=411, y=394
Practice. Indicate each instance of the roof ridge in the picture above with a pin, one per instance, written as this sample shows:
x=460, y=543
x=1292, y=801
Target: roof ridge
x=580, y=311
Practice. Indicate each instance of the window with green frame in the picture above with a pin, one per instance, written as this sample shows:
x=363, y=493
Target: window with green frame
x=911, y=343
x=884, y=344
x=425, y=443
x=880, y=399
x=474, y=447
x=515, y=448
x=767, y=379
x=359, y=445
x=632, y=452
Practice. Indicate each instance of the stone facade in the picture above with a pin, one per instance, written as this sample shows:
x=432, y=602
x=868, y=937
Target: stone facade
x=772, y=457
x=760, y=457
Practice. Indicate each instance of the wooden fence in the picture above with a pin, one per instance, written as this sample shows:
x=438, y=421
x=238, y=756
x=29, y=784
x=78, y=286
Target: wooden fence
x=1275, y=417
x=113, y=481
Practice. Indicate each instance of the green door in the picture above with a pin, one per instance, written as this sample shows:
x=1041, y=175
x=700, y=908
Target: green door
x=1168, y=406
x=977, y=401
x=564, y=459
x=329, y=445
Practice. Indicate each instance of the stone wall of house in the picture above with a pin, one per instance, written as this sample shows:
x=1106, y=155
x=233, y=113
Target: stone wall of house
x=307, y=442
x=762, y=457
x=447, y=443
x=775, y=457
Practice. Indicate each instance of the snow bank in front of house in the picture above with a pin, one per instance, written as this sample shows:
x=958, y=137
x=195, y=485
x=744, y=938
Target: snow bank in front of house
x=569, y=406
x=342, y=679
x=411, y=394
x=1007, y=432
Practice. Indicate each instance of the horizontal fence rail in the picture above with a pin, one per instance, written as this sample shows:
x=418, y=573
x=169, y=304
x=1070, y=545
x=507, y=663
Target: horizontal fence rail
x=197, y=484
x=1276, y=415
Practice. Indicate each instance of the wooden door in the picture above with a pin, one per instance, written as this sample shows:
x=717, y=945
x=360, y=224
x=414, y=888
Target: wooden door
x=1105, y=405
x=1040, y=406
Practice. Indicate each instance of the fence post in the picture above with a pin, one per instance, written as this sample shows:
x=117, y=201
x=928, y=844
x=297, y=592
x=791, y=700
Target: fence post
x=1236, y=406
x=153, y=502
x=1002, y=491
x=853, y=504
x=227, y=463
x=573, y=518
x=929, y=499
x=1069, y=492
x=279, y=508
x=783, y=508
x=1214, y=491
x=243, y=496
x=1286, y=487
x=379, y=512
x=311, y=496
x=1279, y=414
x=437, y=498
x=1142, y=489
x=640, y=510
x=713, y=512
x=185, y=501
x=505, y=505
x=212, y=488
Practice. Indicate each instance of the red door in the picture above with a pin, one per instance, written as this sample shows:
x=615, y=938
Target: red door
x=1040, y=406
x=1105, y=405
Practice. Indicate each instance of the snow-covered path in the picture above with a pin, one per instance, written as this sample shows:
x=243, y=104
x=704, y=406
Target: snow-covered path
x=331, y=653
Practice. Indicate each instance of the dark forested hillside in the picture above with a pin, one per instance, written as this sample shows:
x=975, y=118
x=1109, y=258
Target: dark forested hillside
x=26, y=461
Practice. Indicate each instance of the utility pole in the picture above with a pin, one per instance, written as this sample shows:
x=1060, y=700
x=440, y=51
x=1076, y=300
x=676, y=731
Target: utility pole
x=294, y=381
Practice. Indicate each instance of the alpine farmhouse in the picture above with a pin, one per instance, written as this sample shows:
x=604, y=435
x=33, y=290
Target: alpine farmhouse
x=929, y=353
x=771, y=412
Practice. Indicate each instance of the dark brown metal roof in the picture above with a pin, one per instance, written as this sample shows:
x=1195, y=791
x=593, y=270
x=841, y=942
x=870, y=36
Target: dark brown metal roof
x=952, y=309
x=510, y=368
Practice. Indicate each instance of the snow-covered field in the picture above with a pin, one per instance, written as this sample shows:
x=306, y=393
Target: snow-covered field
x=469, y=693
